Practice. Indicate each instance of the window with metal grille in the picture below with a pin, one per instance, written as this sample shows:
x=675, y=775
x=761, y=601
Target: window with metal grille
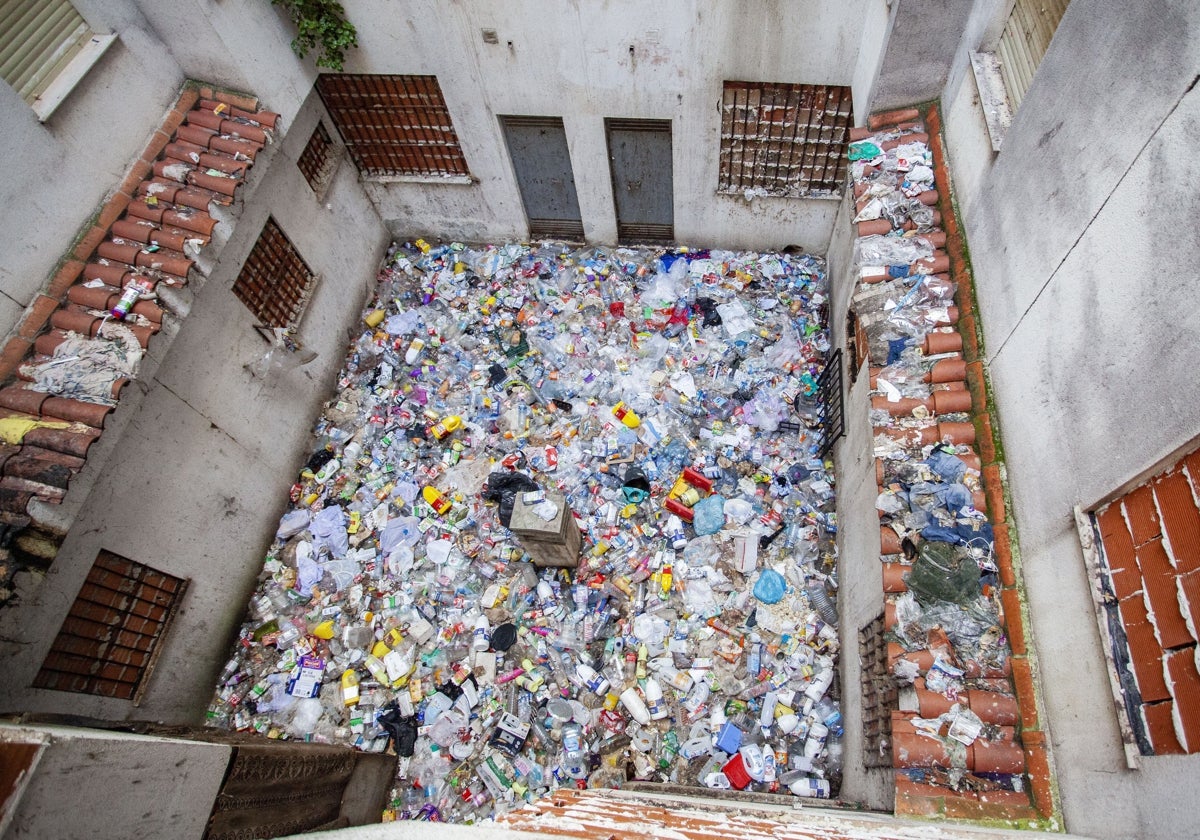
x=110, y=638
x=784, y=140
x=275, y=283
x=1148, y=573
x=879, y=694
x=1024, y=42
x=393, y=125
x=318, y=160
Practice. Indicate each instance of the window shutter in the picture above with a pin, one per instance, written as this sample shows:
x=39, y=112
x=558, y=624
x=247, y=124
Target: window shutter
x=1024, y=42
x=39, y=38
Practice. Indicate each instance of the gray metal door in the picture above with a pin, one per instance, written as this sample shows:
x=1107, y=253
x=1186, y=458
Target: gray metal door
x=639, y=152
x=538, y=148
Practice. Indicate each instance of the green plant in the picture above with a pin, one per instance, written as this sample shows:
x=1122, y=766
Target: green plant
x=321, y=24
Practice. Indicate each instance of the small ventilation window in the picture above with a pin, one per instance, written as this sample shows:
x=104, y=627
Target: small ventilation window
x=879, y=694
x=784, y=140
x=275, y=283
x=319, y=160
x=109, y=639
x=393, y=125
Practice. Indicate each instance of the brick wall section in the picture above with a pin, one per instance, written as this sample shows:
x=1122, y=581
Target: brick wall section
x=1151, y=539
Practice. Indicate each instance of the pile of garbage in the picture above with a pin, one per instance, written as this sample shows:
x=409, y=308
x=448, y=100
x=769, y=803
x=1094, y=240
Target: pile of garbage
x=946, y=620
x=566, y=523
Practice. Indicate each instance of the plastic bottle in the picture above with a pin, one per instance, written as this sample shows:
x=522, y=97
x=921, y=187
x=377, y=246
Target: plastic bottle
x=350, y=687
x=328, y=471
x=654, y=699
x=633, y=703
x=481, y=635
x=377, y=669
x=444, y=427
x=626, y=415
x=595, y=682
x=440, y=504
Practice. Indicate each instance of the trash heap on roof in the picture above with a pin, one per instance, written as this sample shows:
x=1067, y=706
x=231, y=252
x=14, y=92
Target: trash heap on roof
x=566, y=524
x=955, y=737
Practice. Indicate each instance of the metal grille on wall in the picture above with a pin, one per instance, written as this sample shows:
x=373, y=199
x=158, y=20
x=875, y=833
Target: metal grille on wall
x=784, y=140
x=317, y=159
x=393, y=125
x=829, y=397
x=108, y=641
x=879, y=694
x=275, y=283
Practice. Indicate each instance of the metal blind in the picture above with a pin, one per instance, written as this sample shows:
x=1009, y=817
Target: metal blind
x=37, y=40
x=1024, y=42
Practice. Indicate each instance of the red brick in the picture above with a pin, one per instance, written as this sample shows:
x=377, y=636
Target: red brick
x=1160, y=726
x=1006, y=805
x=970, y=338
x=140, y=171
x=1022, y=674
x=976, y=383
x=986, y=438
x=890, y=118
x=994, y=487
x=1159, y=581
x=64, y=278
x=1041, y=788
x=963, y=806
x=112, y=210
x=1011, y=599
x=1141, y=514
x=155, y=147
x=1191, y=465
x=1189, y=599
x=1119, y=551
x=89, y=242
x=15, y=350
x=1185, y=686
x=1181, y=519
x=37, y=316
x=1146, y=655
x=1003, y=556
x=1133, y=609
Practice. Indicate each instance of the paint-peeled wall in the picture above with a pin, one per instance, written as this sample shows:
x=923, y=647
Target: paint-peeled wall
x=588, y=61
x=1084, y=251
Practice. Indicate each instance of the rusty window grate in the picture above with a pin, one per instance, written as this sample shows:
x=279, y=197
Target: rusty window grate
x=109, y=640
x=318, y=160
x=784, y=140
x=393, y=125
x=1149, y=579
x=879, y=694
x=275, y=283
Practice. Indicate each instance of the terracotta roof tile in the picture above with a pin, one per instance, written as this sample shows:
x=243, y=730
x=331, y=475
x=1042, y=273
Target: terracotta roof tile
x=1162, y=594
x=1160, y=726
x=1185, y=685
x=149, y=230
x=1180, y=518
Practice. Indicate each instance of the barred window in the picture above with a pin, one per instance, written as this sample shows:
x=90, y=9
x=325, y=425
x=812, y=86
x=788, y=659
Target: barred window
x=109, y=639
x=393, y=125
x=275, y=283
x=319, y=160
x=784, y=140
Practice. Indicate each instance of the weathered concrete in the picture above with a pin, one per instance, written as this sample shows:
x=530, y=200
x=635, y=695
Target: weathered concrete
x=585, y=62
x=95, y=784
x=1084, y=265
x=922, y=40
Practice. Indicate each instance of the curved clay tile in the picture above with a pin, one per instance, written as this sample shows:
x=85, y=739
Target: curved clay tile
x=24, y=400
x=77, y=411
x=74, y=441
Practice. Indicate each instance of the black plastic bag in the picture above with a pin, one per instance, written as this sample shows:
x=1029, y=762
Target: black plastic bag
x=503, y=487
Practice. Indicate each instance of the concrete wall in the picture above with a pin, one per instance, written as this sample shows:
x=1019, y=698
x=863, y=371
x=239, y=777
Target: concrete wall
x=922, y=40
x=56, y=173
x=94, y=784
x=573, y=60
x=1082, y=237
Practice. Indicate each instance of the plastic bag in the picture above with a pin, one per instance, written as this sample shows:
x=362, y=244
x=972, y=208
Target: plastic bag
x=502, y=488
